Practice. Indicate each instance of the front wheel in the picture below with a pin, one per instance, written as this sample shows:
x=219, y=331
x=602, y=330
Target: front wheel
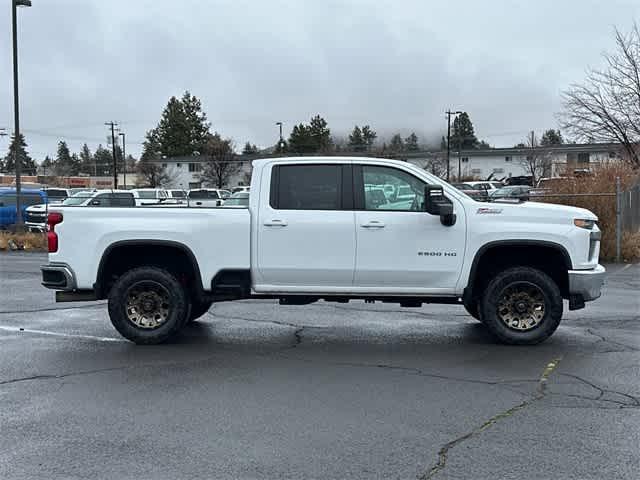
x=147, y=305
x=522, y=306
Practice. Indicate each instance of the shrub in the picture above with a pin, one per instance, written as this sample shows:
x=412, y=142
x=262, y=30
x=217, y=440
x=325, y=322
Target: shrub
x=603, y=180
x=24, y=241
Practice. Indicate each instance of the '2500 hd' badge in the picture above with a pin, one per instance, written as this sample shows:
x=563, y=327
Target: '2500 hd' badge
x=437, y=254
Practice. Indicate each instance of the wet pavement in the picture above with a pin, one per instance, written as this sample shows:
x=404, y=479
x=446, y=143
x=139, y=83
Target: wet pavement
x=258, y=390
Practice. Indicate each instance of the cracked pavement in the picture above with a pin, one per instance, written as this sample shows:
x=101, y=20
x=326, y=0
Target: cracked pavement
x=257, y=390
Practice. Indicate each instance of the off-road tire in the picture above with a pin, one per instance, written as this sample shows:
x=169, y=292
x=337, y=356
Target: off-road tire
x=491, y=299
x=177, y=300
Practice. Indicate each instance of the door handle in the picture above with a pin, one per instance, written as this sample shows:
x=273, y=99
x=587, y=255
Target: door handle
x=373, y=224
x=275, y=223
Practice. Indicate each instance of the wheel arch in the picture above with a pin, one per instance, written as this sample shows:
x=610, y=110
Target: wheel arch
x=140, y=252
x=505, y=253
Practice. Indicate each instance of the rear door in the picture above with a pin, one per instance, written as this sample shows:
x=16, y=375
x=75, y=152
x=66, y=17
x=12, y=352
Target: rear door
x=306, y=237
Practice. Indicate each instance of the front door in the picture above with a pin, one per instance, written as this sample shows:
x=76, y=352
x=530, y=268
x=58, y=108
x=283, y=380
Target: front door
x=306, y=235
x=401, y=248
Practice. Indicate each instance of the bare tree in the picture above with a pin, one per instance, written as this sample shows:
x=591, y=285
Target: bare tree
x=437, y=165
x=152, y=174
x=537, y=161
x=606, y=107
x=222, y=162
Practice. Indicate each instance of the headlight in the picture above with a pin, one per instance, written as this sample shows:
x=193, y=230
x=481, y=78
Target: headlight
x=582, y=223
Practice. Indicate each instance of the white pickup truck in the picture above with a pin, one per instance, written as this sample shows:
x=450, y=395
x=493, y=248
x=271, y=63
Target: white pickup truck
x=313, y=232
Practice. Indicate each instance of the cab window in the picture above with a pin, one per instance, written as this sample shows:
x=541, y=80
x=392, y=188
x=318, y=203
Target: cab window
x=387, y=188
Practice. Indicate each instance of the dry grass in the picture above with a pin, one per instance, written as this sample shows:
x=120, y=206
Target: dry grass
x=603, y=181
x=25, y=241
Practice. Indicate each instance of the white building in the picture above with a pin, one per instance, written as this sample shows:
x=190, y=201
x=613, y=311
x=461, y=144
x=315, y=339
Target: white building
x=511, y=162
x=184, y=172
x=498, y=163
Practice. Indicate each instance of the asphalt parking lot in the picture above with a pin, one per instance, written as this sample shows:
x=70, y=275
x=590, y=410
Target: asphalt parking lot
x=257, y=390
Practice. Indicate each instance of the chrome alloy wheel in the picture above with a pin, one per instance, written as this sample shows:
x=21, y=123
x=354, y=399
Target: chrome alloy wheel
x=147, y=304
x=521, y=306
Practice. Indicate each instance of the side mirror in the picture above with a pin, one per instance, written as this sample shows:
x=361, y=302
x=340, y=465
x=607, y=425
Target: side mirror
x=435, y=203
x=433, y=195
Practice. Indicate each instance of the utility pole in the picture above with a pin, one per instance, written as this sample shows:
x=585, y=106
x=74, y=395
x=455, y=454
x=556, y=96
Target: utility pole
x=280, y=140
x=449, y=113
x=124, y=158
x=113, y=150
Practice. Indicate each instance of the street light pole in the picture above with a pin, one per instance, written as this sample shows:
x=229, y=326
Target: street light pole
x=16, y=103
x=124, y=158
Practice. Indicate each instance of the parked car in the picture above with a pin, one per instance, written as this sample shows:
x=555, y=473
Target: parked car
x=240, y=188
x=237, y=200
x=57, y=195
x=475, y=193
x=149, y=196
x=205, y=197
x=516, y=192
x=176, y=196
x=102, y=198
x=309, y=236
x=225, y=194
x=488, y=186
x=73, y=191
x=8, y=197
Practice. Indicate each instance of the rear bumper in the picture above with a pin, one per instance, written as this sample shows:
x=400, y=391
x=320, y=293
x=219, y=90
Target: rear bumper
x=587, y=283
x=58, y=276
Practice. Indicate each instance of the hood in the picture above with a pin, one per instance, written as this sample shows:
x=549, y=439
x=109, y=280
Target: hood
x=37, y=208
x=543, y=210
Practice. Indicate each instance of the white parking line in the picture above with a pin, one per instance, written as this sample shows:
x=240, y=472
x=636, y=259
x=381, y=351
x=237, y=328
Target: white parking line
x=57, y=334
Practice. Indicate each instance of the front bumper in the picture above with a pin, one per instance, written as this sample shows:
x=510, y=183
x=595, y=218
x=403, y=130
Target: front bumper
x=587, y=283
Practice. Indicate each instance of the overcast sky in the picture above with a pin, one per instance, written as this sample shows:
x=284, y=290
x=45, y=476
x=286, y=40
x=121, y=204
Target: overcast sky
x=397, y=64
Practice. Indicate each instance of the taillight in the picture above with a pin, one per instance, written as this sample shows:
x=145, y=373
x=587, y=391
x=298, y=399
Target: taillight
x=53, y=219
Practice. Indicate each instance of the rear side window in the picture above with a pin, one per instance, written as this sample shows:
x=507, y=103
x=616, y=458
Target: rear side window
x=306, y=187
x=147, y=195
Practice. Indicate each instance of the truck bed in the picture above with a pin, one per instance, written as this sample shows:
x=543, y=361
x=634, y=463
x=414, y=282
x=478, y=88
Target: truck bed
x=215, y=236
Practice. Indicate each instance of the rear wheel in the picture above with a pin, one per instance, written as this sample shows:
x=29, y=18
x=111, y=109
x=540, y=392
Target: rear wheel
x=198, y=309
x=147, y=305
x=522, y=306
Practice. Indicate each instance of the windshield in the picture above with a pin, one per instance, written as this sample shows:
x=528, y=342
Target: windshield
x=146, y=194
x=78, y=199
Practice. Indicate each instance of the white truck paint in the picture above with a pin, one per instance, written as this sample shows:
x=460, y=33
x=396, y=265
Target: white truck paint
x=394, y=252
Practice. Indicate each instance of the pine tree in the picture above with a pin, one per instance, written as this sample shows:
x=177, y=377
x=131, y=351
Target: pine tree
x=183, y=129
x=396, y=144
x=551, y=137
x=86, y=160
x=320, y=133
x=300, y=140
x=28, y=165
x=249, y=149
x=369, y=136
x=63, y=163
x=356, y=141
x=411, y=143
x=47, y=166
x=463, y=136
x=103, y=160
